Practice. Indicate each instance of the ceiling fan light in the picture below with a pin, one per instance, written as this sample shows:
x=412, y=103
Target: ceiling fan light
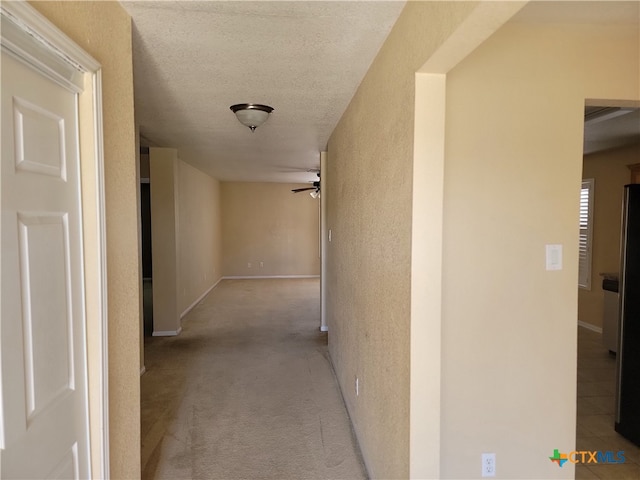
x=315, y=193
x=251, y=115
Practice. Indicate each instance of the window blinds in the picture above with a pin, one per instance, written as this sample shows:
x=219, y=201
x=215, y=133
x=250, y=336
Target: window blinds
x=586, y=227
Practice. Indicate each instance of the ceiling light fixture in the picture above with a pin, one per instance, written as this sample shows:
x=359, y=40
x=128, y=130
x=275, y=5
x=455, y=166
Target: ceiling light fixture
x=251, y=114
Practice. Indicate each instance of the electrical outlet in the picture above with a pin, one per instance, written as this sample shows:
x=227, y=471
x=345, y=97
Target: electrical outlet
x=488, y=464
x=249, y=265
x=357, y=386
x=261, y=264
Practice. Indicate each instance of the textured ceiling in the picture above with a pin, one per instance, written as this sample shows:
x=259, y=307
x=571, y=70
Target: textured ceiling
x=192, y=60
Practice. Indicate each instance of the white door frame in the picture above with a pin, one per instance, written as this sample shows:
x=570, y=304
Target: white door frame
x=31, y=38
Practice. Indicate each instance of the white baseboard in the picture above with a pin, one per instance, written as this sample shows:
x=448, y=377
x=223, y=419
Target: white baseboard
x=324, y=328
x=142, y=370
x=588, y=326
x=167, y=333
x=249, y=277
x=199, y=299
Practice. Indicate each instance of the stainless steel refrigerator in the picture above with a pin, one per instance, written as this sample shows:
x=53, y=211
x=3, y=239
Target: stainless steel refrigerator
x=627, y=419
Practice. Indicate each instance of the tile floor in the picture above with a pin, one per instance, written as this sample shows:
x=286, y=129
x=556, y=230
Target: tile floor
x=596, y=408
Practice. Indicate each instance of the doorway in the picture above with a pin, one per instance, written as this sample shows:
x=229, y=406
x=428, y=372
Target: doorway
x=611, y=148
x=147, y=266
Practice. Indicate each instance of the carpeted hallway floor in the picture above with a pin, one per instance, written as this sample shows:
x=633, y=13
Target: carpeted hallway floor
x=246, y=391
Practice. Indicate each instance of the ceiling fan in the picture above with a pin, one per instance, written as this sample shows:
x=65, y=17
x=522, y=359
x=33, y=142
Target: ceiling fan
x=315, y=187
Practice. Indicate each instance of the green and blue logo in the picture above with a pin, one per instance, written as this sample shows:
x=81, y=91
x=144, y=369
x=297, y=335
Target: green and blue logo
x=559, y=458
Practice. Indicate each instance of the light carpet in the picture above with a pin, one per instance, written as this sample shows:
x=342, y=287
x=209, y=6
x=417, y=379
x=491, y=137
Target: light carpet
x=247, y=391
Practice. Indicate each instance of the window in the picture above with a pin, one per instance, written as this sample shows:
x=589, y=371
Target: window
x=586, y=228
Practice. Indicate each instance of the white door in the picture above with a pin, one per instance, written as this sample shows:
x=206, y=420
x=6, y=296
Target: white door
x=44, y=419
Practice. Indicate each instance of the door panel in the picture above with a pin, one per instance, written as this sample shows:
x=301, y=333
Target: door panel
x=46, y=156
x=42, y=329
x=46, y=317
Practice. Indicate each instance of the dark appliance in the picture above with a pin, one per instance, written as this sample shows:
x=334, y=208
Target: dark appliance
x=627, y=419
x=610, y=313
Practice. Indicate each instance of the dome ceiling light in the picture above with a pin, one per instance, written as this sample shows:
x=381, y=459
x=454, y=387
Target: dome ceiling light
x=251, y=115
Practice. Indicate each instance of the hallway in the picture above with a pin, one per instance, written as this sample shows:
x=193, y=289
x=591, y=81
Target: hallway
x=246, y=390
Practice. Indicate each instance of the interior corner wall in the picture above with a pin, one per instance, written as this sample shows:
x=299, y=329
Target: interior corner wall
x=269, y=231
x=103, y=29
x=513, y=169
x=369, y=212
x=163, y=163
x=610, y=171
x=199, y=235
x=186, y=237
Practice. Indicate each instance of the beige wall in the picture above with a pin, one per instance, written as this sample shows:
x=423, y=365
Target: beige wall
x=199, y=234
x=163, y=180
x=265, y=222
x=369, y=197
x=103, y=29
x=609, y=169
x=186, y=237
x=144, y=165
x=512, y=169
x=512, y=180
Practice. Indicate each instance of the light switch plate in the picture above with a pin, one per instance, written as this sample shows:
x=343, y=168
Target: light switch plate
x=554, y=257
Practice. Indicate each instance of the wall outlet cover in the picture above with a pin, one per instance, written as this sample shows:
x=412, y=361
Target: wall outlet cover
x=488, y=465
